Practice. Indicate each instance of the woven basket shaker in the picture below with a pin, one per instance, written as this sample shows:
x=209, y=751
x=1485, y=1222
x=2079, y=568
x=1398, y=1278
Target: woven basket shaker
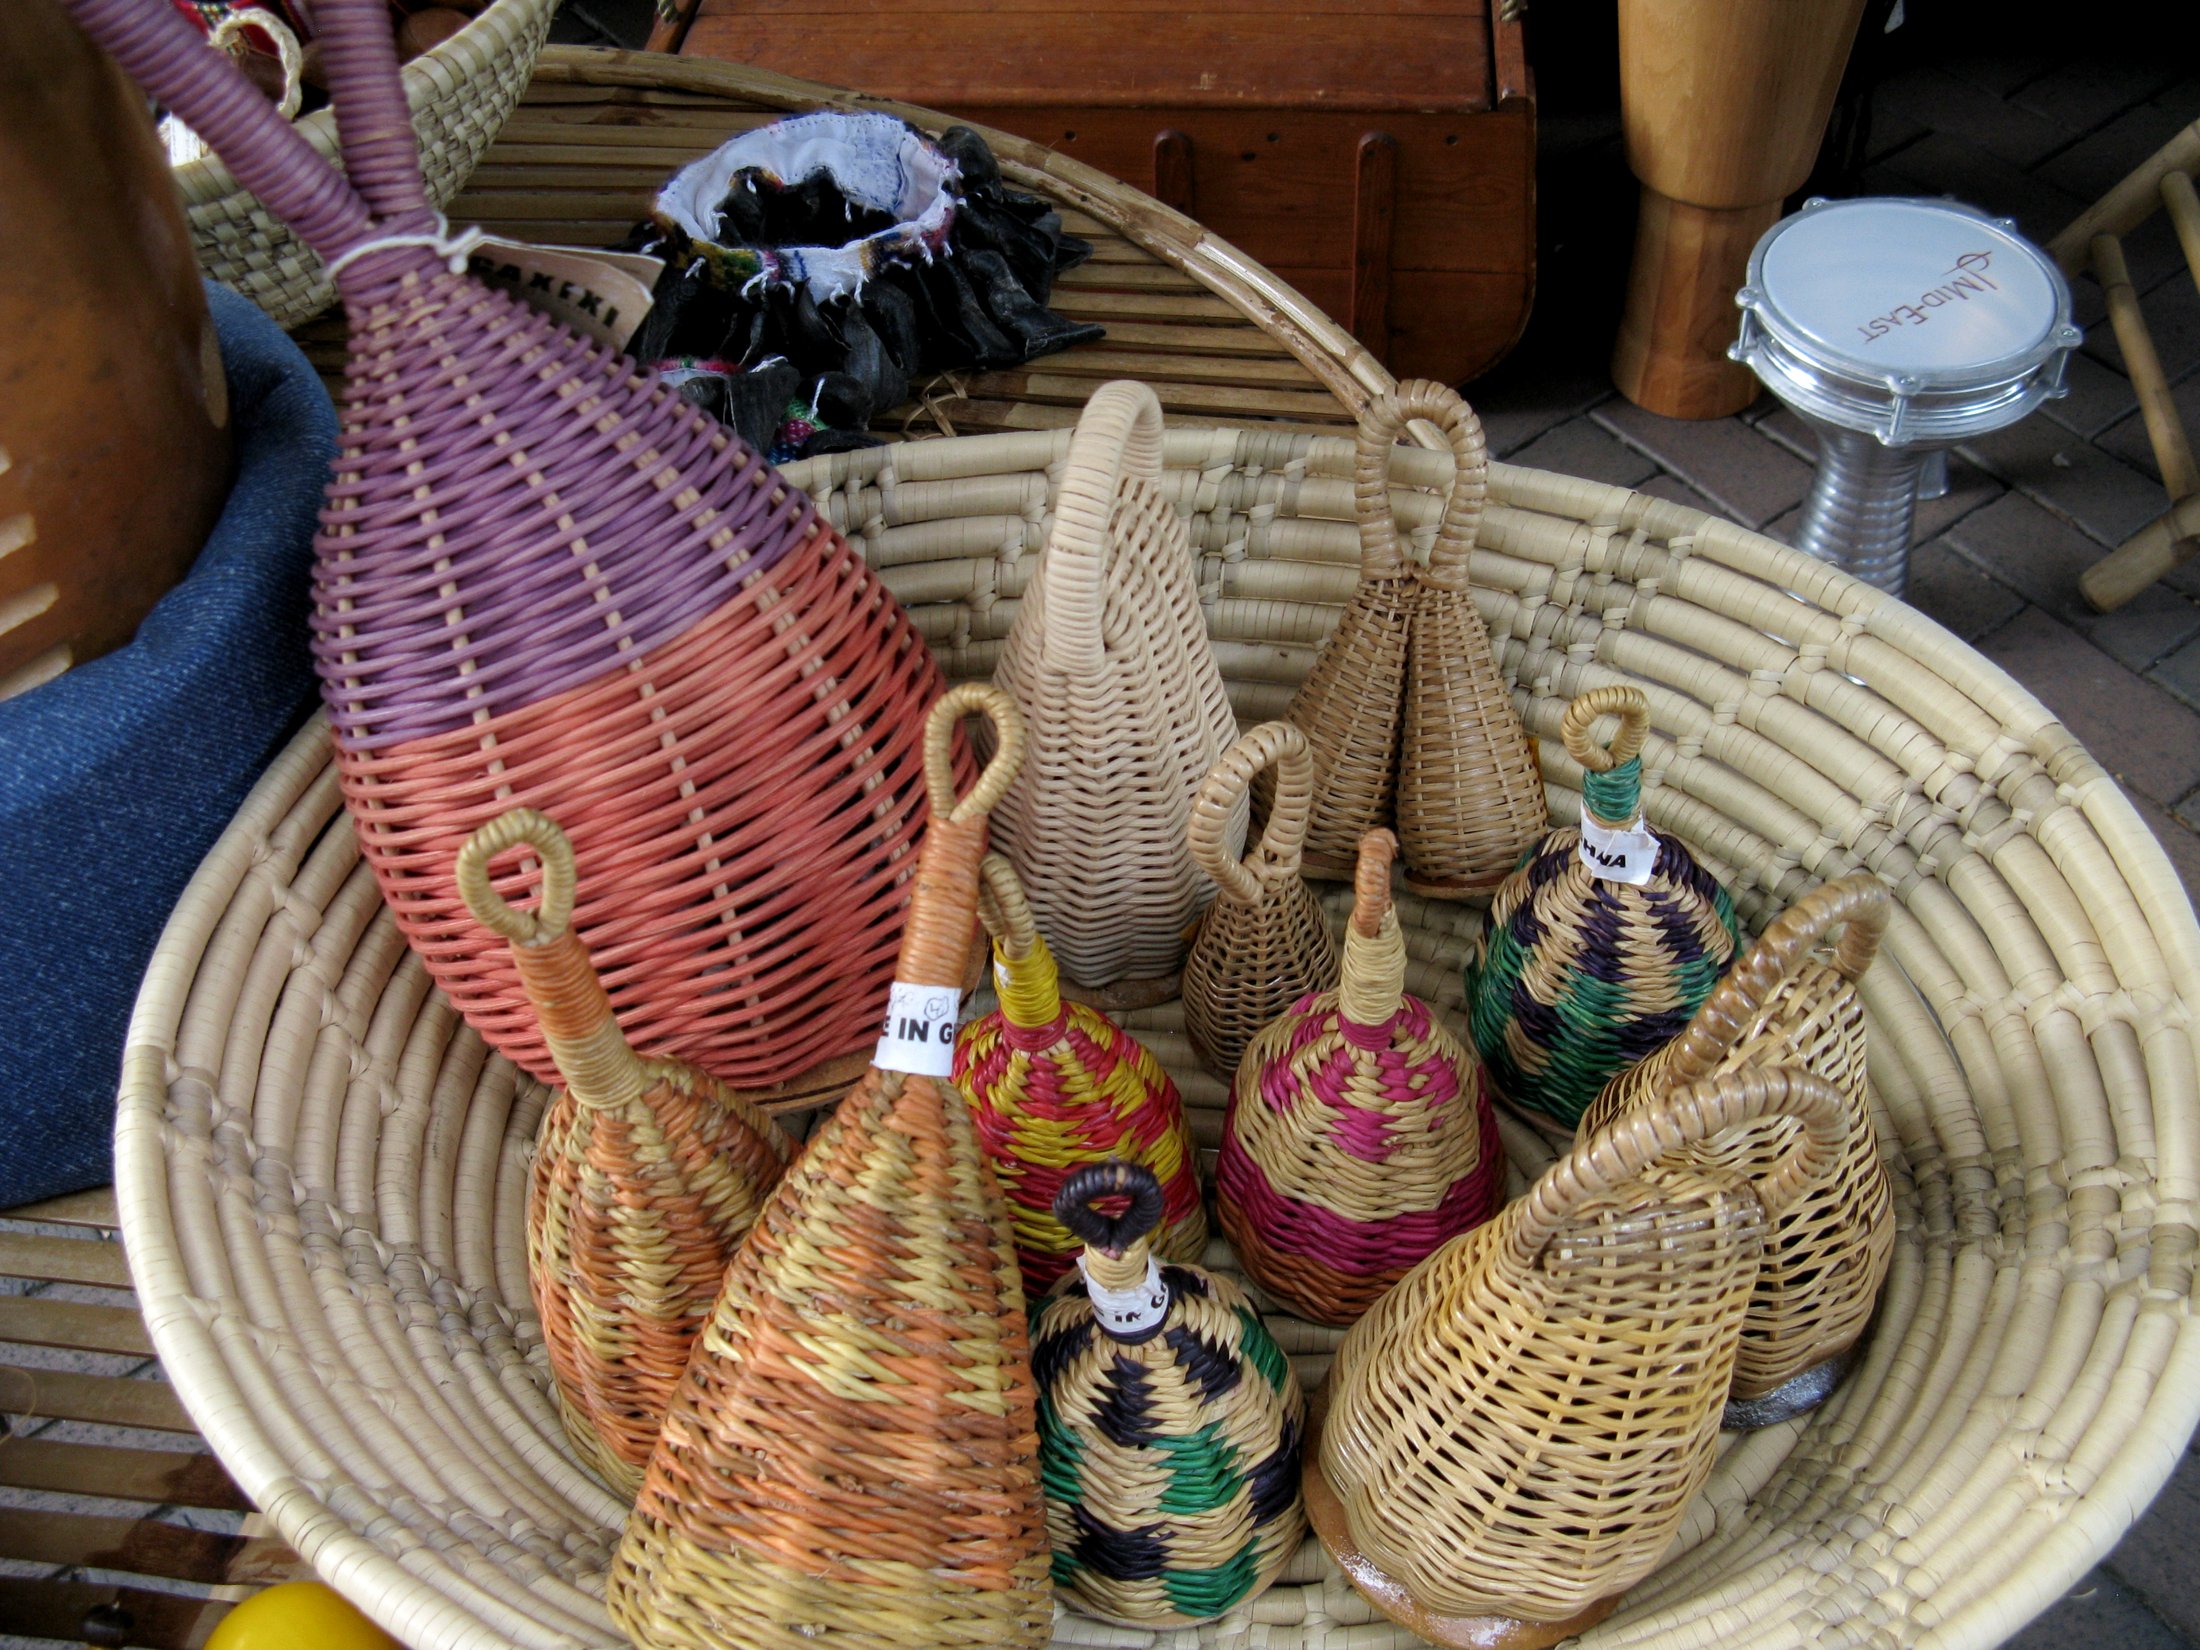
x=1357, y=1138
x=461, y=92
x=852, y=1456
x=1170, y=1422
x=1517, y=1428
x=647, y=1174
x=1470, y=796
x=1057, y=1085
x=1578, y=974
x=1828, y=1252
x=545, y=579
x=1263, y=943
x=1109, y=661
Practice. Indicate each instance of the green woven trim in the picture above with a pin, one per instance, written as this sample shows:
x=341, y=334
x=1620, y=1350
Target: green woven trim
x=1210, y=1592
x=1061, y=1456
x=1260, y=1349
x=1203, y=1470
x=1614, y=797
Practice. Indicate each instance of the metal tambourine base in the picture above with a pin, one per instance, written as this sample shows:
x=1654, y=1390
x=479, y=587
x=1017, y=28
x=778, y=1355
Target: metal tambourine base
x=1389, y=1595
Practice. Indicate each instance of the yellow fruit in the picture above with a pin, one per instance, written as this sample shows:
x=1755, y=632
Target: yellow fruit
x=295, y=1616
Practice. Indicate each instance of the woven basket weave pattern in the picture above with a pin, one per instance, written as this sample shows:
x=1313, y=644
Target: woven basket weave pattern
x=461, y=92
x=321, y=1169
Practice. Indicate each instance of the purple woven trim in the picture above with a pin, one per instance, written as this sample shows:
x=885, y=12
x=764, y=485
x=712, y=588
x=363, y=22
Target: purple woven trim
x=471, y=584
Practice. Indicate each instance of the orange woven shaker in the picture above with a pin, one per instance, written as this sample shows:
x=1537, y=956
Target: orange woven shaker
x=1351, y=706
x=1509, y=1439
x=647, y=1174
x=1828, y=1252
x=1357, y=1138
x=1470, y=797
x=1263, y=944
x=1110, y=664
x=851, y=1462
x=1057, y=1085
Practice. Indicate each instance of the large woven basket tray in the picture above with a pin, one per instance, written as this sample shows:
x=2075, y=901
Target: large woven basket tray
x=321, y=1172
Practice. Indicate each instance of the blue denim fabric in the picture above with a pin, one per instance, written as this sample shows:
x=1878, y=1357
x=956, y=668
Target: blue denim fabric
x=117, y=777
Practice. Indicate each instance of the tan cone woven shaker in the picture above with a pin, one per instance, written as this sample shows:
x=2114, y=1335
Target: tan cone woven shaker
x=1515, y=1430
x=647, y=1174
x=1110, y=664
x=1170, y=1424
x=852, y=1458
x=1358, y=1139
x=1470, y=796
x=1264, y=943
x=1828, y=1252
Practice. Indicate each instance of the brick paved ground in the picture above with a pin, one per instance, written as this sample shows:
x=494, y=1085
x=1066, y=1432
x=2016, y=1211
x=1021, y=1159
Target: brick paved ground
x=2036, y=133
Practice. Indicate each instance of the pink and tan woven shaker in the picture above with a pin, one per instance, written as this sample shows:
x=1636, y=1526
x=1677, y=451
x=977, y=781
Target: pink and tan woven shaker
x=1470, y=796
x=544, y=579
x=647, y=1175
x=1056, y=1085
x=1109, y=661
x=1358, y=1139
x=1264, y=942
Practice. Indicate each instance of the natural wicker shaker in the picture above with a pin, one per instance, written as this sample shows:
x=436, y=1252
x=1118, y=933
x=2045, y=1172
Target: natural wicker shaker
x=1600, y=947
x=1109, y=661
x=647, y=1175
x=1056, y=1085
x=1470, y=797
x=544, y=579
x=1264, y=943
x=1357, y=1138
x=1508, y=1441
x=1351, y=706
x=852, y=1458
x=1828, y=1252
x=1170, y=1423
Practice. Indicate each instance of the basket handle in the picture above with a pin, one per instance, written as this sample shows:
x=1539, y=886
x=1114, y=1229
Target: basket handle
x=1680, y=1116
x=600, y=1068
x=1118, y=438
x=1386, y=418
x=169, y=59
x=1029, y=983
x=1372, y=982
x=1859, y=905
x=1129, y=1297
x=1277, y=745
x=943, y=901
x=373, y=121
x=1613, y=790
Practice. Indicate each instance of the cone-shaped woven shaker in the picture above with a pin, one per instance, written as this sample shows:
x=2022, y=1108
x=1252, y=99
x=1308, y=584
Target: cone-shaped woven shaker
x=1057, y=1085
x=1602, y=944
x=1170, y=1422
x=852, y=1458
x=1264, y=943
x=1109, y=661
x=1357, y=1138
x=1828, y=1252
x=546, y=579
x=647, y=1174
x=1470, y=797
x=1509, y=1439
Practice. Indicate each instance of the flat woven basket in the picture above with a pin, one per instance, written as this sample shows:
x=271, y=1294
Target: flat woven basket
x=461, y=92
x=322, y=1174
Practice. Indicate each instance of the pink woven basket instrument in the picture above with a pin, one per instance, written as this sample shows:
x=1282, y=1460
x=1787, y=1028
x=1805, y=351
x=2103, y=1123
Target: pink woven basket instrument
x=546, y=580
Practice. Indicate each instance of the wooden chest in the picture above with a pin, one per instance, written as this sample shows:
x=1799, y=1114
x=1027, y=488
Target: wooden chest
x=1379, y=156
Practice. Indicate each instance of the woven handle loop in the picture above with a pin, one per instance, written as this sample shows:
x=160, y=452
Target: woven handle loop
x=1386, y=418
x=1858, y=905
x=1633, y=711
x=373, y=121
x=1118, y=438
x=600, y=1068
x=210, y=94
x=1680, y=1116
x=1277, y=745
x=229, y=36
x=553, y=913
x=1029, y=983
x=1134, y=1183
x=1371, y=984
x=995, y=705
x=1004, y=909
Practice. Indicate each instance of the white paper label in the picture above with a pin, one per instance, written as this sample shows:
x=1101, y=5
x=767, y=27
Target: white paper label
x=919, y=1034
x=598, y=293
x=1127, y=1312
x=1618, y=856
